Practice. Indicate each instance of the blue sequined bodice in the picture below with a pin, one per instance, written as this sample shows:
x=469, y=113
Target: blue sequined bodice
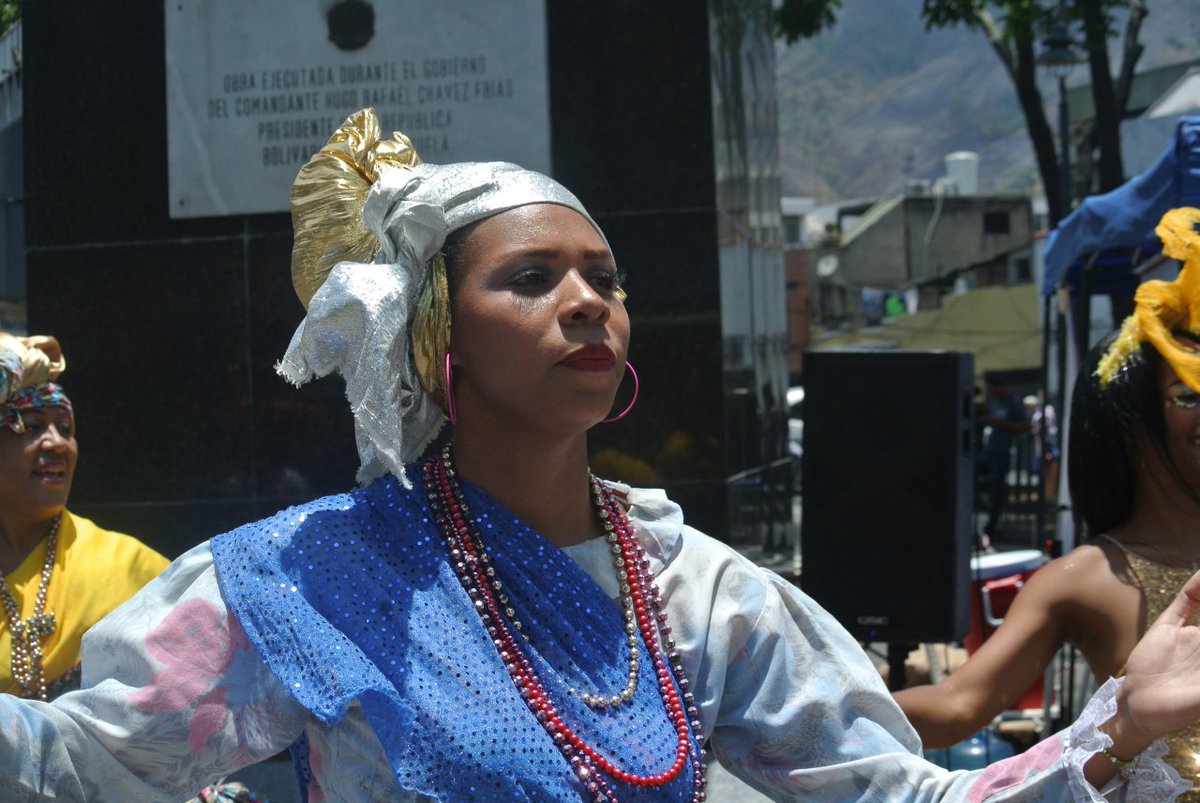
x=352, y=597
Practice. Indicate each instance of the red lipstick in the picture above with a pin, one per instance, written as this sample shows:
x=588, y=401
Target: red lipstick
x=594, y=357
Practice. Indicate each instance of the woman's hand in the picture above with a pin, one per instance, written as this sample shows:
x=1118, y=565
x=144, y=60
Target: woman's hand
x=1161, y=692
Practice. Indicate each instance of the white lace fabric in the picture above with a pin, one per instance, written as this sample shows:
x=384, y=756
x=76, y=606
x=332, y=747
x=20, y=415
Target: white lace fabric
x=1150, y=779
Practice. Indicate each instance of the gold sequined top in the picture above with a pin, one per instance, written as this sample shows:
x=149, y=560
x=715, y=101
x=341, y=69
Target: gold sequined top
x=1159, y=585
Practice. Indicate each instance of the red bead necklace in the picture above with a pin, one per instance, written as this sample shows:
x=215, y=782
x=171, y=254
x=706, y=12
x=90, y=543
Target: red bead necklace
x=478, y=577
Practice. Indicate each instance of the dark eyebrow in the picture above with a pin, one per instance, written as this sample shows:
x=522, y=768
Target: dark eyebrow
x=1179, y=383
x=591, y=254
x=44, y=412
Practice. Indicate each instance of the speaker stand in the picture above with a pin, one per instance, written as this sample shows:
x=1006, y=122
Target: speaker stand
x=897, y=654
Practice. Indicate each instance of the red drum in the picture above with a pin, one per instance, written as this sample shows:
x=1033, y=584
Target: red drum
x=995, y=580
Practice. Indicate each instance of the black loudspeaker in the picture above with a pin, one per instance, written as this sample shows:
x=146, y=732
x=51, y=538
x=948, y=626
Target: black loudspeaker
x=887, y=484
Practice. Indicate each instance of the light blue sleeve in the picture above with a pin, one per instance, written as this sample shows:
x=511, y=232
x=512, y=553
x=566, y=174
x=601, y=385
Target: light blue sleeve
x=803, y=714
x=792, y=705
x=173, y=698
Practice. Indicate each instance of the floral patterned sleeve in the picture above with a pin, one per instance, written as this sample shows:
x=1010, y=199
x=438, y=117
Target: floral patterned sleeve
x=173, y=698
x=791, y=704
x=803, y=714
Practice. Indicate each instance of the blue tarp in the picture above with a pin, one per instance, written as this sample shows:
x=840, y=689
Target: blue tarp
x=1118, y=227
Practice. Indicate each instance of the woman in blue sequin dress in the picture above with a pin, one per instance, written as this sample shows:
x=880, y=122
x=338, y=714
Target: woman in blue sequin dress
x=482, y=619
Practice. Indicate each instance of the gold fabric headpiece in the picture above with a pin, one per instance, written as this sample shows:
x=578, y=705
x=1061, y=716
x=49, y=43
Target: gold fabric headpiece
x=1165, y=308
x=328, y=197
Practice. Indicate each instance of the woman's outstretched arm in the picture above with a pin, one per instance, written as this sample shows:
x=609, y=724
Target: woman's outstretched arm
x=1007, y=664
x=173, y=698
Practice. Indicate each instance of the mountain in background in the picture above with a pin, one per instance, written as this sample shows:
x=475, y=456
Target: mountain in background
x=879, y=100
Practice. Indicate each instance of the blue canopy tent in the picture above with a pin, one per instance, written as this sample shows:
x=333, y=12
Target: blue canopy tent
x=1099, y=248
x=1096, y=248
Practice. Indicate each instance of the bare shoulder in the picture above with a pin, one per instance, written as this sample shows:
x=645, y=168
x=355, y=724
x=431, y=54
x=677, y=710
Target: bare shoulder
x=1093, y=575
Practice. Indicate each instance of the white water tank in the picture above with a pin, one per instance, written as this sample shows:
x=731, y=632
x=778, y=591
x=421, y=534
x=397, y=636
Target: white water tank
x=962, y=167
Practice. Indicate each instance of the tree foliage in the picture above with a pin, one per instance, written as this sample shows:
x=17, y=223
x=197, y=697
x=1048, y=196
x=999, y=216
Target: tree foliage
x=1014, y=29
x=10, y=12
x=804, y=19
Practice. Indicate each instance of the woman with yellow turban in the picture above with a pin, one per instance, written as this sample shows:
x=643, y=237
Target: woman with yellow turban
x=61, y=572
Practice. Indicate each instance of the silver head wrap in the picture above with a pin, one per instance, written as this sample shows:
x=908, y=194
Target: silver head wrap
x=359, y=318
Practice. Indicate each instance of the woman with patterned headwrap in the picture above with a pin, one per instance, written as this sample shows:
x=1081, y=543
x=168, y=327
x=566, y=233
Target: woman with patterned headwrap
x=61, y=573
x=483, y=619
x=1134, y=472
